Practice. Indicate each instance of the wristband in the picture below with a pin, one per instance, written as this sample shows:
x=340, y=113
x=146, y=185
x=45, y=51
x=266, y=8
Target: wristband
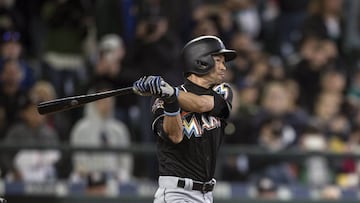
x=172, y=109
x=173, y=97
x=172, y=114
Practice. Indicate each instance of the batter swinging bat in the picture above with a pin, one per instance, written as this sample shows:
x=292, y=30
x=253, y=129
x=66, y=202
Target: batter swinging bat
x=67, y=103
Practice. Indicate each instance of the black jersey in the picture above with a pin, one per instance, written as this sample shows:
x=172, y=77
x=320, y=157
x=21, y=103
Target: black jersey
x=195, y=156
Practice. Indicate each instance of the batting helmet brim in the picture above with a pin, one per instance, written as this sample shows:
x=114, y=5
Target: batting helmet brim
x=227, y=53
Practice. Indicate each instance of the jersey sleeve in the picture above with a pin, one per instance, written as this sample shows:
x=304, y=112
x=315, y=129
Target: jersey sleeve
x=158, y=118
x=222, y=100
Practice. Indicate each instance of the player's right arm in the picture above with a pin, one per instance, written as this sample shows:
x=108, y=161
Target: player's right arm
x=167, y=121
x=167, y=126
x=173, y=128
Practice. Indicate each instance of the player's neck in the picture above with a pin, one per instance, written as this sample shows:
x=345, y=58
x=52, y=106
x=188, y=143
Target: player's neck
x=202, y=82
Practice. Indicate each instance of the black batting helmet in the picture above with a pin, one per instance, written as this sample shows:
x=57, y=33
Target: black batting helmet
x=197, y=54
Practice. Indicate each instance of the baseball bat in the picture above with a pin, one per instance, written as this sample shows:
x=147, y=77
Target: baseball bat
x=67, y=103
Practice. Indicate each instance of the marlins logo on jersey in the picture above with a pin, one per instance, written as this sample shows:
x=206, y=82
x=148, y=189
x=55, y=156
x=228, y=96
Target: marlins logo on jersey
x=195, y=125
x=222, y=89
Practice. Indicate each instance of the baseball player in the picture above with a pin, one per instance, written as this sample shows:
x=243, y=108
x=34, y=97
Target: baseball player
x=189, y=121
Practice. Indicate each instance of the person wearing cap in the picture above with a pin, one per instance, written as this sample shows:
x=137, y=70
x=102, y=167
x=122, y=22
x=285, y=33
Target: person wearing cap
x=266, y=188
x=110, y=67
x=108, y=61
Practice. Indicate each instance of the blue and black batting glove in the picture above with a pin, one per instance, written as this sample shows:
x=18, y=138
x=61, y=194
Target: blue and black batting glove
x=148, y=85
x=141, y=88
x=154, y=83
x=140, y=85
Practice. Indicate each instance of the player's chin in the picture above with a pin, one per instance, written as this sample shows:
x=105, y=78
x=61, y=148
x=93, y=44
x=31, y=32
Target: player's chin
x=221, y=77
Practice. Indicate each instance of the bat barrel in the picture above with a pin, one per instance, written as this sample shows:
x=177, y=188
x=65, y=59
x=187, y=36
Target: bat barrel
x=67, y=103
x=53, y=106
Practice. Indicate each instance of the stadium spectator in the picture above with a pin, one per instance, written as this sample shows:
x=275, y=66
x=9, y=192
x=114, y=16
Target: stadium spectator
x=245, y=107
x=111, y=67
x=32, y=165
x=287, y=28
x=327, y=107
x=278, y=101
x=315, y=169
x=266, y=189
x=96, y=184
x=331, y=192
x=333, y=81
x=247, y=17
x=325, y=21
x=205, y=27
x=13, y=19
x=275, y=135
x=60, y=122
x=63, y=59
x=99, y=128
x=246, y=48
x=153, y=36
x=44, y=91
x=11, y=76
x=315, y=58
x=12, y=49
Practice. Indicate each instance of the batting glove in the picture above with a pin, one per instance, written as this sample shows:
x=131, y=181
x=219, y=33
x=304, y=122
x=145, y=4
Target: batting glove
x=140, y=88
x=147, y=86
x=154, y=84
x=168, y=92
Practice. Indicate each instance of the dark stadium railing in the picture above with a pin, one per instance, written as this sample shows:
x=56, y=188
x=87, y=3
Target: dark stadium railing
x=149, y=150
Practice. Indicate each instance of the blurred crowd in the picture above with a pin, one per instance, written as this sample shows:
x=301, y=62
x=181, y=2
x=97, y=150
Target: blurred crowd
x=296, y=82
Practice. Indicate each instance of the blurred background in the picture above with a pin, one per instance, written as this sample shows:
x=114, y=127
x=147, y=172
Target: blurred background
x=293, y=134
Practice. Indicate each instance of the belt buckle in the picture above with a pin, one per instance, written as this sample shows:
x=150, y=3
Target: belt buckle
x=206, y=187
x=203, y=189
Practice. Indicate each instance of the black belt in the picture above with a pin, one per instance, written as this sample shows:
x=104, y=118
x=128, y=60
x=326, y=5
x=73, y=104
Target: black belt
x=199, y=186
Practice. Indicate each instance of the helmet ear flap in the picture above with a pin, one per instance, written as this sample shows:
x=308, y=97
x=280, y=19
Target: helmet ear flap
x=201, y=65
x=204, y=64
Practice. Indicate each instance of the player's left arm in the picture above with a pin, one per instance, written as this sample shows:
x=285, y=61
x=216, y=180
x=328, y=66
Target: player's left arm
x=195, y=103
x=219, y=104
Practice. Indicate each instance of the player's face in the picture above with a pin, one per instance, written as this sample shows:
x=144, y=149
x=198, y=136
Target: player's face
x=217, y=74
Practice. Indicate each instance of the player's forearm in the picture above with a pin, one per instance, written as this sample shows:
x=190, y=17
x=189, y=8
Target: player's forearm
x=195, y=103
x=173, y=128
